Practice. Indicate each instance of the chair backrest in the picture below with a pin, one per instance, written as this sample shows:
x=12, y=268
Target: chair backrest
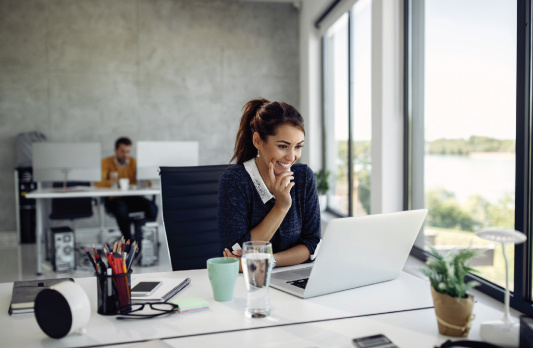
x=189, y=199
x=71, y=208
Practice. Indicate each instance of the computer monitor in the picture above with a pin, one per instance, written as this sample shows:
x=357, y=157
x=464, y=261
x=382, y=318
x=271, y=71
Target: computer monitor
x=154, y=154
x=66, y=162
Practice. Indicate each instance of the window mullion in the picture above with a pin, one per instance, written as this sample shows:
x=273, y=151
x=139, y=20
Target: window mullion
x=522, y=271
x=350, y=118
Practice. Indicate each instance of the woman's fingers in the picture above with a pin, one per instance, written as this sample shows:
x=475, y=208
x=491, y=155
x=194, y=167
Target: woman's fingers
x=235, y=254
x=286, y=181
x=289, y=186
x=271, y=173
x=283, y=179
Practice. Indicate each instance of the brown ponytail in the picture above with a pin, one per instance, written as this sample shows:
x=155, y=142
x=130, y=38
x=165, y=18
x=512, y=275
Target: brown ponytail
x=264, y=117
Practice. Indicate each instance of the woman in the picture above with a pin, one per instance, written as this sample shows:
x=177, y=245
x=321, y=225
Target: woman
x=266, y=196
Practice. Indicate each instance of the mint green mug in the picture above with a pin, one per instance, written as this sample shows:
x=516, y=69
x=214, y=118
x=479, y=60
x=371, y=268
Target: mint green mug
x=223, y=272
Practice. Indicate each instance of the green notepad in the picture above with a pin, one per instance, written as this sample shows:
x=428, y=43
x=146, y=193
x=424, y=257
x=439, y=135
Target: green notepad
x=191, y=304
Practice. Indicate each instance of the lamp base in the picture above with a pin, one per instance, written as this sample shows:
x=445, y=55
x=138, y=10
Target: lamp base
x=501, y=333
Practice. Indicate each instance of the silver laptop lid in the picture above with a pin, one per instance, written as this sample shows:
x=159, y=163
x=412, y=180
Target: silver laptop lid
x=358, y=251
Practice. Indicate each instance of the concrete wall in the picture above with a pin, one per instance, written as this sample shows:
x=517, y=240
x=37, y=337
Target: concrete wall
x=93, y=70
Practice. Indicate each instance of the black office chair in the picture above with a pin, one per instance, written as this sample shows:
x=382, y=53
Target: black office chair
x=189, y=199
x=71, y=208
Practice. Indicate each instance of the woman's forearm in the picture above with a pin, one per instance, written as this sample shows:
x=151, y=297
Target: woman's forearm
x=293, y=256
x=270, y=224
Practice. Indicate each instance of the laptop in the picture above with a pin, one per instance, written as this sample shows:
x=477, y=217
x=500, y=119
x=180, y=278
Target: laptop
x=355, y=251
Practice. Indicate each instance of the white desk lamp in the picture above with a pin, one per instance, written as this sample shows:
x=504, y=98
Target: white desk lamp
x=504, y=332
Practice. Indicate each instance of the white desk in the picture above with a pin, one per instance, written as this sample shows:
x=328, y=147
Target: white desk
x=41, y=194
x=411, y=329
x=405, y=293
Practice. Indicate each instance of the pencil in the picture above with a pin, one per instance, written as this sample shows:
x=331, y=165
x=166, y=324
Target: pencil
x=106, y=252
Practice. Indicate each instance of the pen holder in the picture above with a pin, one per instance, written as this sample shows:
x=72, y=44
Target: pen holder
x=114, y=293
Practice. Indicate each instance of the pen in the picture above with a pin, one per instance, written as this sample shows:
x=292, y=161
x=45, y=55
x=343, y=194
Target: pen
x=131, y=255
x=109, y=287
x=101, y=263
x=91, y=259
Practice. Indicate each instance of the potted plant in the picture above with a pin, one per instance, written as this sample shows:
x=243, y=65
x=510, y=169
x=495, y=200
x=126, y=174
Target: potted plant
x=322, y=187
x=453, y=306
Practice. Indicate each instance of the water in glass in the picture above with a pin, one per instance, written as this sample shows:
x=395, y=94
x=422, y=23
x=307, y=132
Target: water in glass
x=257, y=264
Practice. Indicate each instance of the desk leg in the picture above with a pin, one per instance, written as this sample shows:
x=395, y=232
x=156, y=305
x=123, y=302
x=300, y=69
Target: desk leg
x=39, y=230
x=102, y=220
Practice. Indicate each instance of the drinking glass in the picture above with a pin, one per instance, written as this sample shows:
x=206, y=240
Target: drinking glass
x=113, y=177
x=257, y=263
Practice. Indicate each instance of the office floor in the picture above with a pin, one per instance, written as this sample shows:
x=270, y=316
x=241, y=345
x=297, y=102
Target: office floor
x=18, y=262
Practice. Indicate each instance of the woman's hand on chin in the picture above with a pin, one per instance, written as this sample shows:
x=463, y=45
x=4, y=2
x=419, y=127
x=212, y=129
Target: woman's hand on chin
x=281, y=187
x=237, y=254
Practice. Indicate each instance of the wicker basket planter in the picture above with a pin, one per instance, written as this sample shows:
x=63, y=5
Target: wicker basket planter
x=454, y=315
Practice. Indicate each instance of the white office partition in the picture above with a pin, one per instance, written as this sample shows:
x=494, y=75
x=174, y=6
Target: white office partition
x=154, y=154
x=66, y=161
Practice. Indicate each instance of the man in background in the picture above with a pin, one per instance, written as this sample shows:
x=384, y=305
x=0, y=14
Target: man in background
x=121, y=166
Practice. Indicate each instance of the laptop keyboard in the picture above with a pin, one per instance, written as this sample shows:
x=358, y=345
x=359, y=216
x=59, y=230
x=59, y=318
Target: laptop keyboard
x=301, y=283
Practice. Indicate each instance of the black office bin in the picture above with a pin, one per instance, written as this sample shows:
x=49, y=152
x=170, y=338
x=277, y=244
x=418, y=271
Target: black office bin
x=26, y=208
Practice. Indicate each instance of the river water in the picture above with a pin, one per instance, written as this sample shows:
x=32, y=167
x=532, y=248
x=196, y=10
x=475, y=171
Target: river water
x=487, y=176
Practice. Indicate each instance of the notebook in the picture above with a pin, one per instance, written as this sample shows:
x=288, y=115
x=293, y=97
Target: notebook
x=25, y=291
x=355, y=251
x=169, y=288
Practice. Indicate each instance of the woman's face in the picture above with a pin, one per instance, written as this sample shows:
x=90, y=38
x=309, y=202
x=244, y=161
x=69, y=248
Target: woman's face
x=281, y=149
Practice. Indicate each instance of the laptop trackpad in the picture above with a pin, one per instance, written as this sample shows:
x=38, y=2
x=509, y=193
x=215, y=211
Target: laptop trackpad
x=293, y=275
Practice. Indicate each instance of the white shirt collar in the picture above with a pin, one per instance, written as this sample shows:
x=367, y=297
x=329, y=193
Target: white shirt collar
x=120, y=165
x=259, y=184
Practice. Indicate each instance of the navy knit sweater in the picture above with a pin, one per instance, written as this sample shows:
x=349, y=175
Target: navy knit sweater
x=240, y=209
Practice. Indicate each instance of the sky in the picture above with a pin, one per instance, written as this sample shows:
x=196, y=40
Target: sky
x=470, y=72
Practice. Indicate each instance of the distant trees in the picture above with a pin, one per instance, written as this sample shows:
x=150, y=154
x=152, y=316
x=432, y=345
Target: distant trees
x=445, y=211
x=462, y=147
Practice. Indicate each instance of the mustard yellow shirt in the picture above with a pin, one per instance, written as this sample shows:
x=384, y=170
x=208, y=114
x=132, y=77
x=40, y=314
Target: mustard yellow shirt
x=109, y=165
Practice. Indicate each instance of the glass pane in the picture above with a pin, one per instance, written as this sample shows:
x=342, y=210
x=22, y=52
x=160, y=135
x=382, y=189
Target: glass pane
x=361, y=105
x=470, y=128
x=336, y=112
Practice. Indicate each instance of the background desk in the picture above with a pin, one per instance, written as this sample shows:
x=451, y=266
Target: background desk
x=41, y=194
x=405, y=293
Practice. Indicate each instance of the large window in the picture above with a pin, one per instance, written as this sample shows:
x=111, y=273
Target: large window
x=468, y=157
x=361, y=124
x=336, y=110
x=347, y=110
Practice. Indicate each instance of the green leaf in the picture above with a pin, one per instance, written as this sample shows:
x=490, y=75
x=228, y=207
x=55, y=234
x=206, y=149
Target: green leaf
x=447, y=272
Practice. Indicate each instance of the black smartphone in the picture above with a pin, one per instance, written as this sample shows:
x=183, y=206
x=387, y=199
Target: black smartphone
x=145, y=288
x=375, y=341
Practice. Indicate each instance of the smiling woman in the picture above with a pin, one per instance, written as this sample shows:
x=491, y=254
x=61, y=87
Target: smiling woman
x=266, y=196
